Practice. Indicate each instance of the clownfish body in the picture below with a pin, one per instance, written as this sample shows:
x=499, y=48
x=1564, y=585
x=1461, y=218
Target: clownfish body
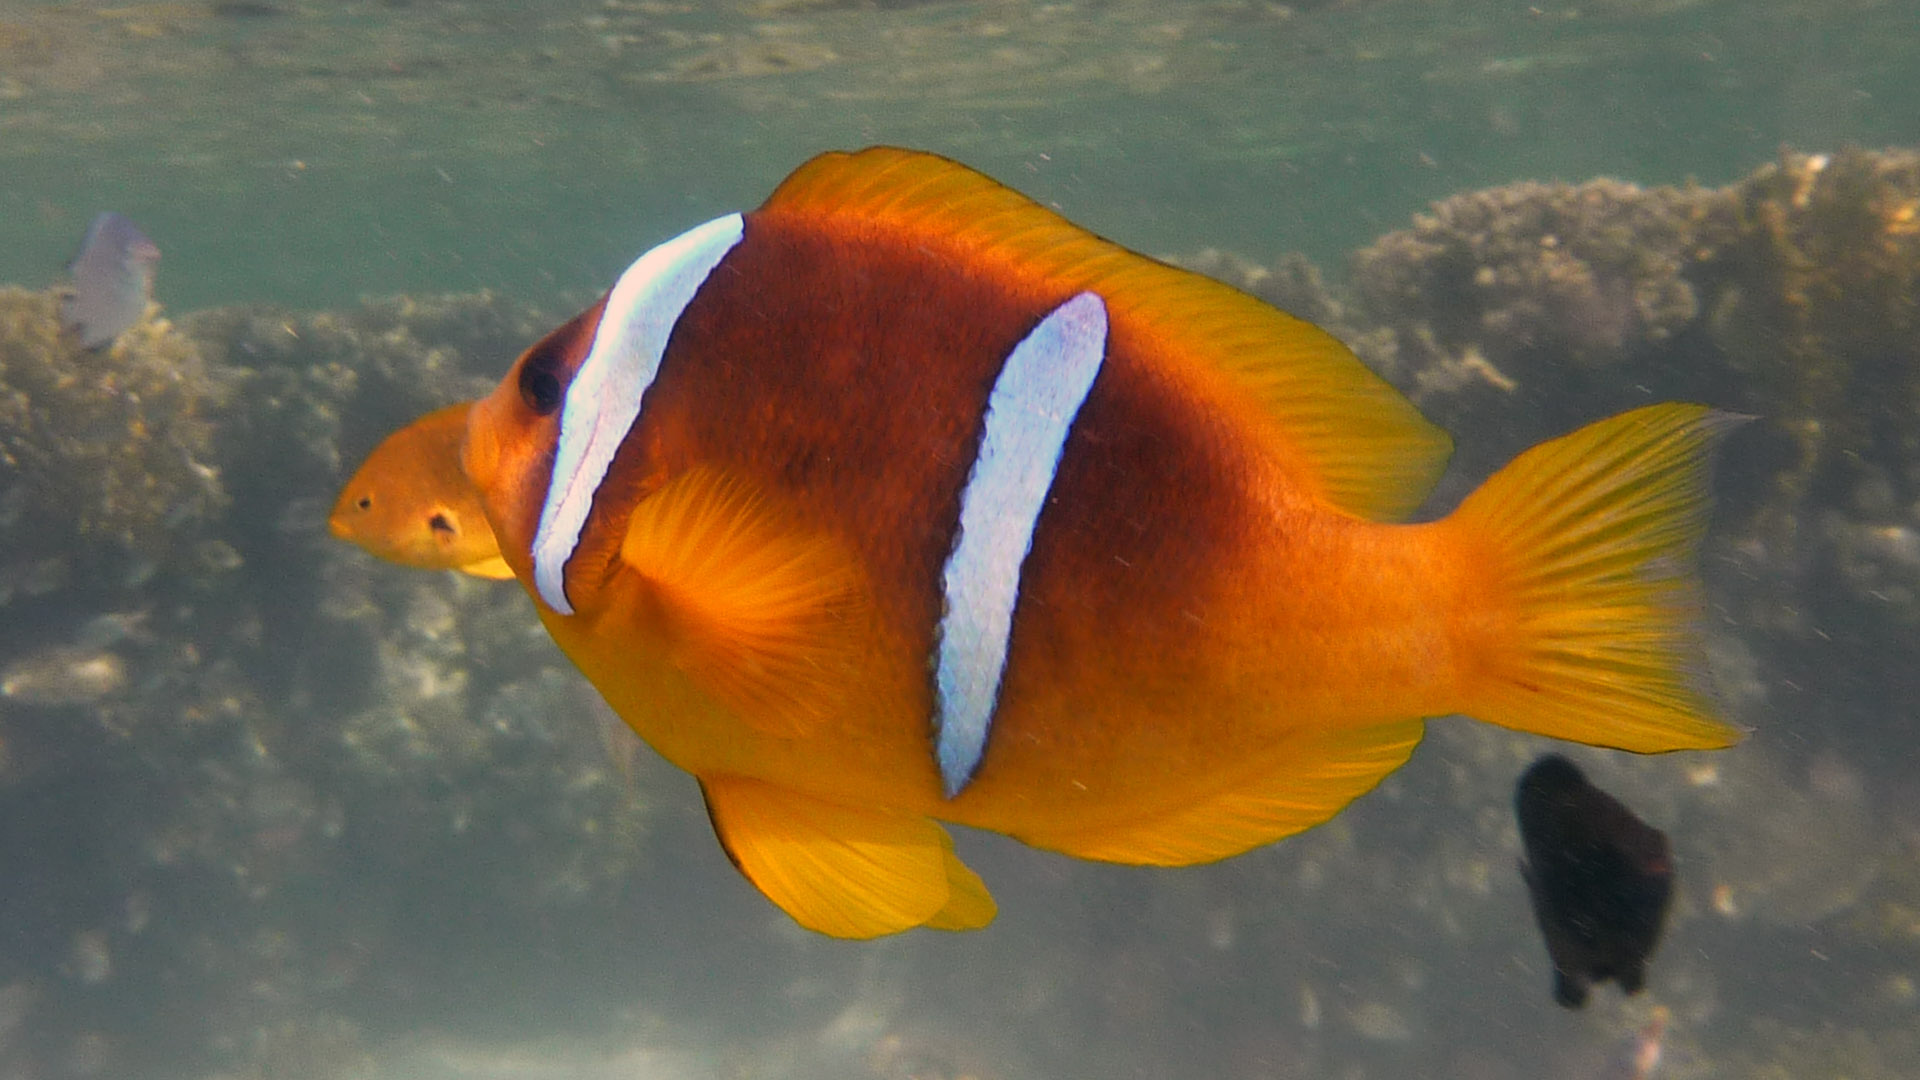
x=902, y=500
x=411, y=503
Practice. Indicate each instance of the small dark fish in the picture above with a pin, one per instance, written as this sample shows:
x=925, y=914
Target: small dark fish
x=112, y=280
x=1600, y=878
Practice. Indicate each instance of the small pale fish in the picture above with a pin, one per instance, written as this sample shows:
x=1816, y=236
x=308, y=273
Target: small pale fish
x=63, y=675
x=411, y=503
x=901, y=500
x=112, y=280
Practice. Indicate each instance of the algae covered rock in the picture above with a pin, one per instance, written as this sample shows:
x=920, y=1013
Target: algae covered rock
x=1540, y=275
x=206, y=705
x=107, y=448
x=316, y=390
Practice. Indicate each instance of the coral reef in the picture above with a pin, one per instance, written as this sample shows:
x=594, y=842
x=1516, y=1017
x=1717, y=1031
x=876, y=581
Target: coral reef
x=220, y=708
x=315, y=391
x=1535, y=275
x=107, y=448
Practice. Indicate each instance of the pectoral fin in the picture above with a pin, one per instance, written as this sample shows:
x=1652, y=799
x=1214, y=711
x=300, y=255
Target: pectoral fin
x=842, y=870
x=768, y=613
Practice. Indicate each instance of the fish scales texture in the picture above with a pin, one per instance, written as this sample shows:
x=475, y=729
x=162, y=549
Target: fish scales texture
x=1218, y=636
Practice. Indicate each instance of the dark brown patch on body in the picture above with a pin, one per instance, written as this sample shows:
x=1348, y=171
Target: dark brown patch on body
x=1139, y=567
x=848, y=370
x=846, y=373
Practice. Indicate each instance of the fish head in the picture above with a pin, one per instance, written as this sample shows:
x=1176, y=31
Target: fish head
x=426, y=534
x=411, y=503
x=513, y=435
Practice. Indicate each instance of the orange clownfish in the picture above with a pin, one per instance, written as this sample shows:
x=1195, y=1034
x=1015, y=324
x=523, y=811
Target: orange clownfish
x=411, y=503
x=901, y=500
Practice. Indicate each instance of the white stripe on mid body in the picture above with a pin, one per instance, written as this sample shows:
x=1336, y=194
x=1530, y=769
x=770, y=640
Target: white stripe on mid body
x=1034, y=401
x=605, y=395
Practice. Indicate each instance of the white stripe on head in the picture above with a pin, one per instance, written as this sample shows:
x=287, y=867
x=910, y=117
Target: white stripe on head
x=1044, y=382
x=605, y=395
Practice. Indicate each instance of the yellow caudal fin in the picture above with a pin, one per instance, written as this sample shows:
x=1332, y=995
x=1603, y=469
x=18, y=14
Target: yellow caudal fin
x=842, y=870
x=767, y=614
x=1586, y=619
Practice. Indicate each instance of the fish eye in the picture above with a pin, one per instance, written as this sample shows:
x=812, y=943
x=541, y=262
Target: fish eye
x=539, y=385
x=439, y=523
x=365, y=503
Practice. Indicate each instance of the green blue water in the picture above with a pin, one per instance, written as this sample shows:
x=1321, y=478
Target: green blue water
x=340, y=149
x=338, y=819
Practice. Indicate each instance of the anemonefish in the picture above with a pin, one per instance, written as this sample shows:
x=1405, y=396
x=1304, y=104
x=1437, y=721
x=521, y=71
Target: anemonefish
x=901, y=500
x=411, y=503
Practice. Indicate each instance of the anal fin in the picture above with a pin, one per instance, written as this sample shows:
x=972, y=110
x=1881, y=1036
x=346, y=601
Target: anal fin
x=1316, y=776
x=969, y=905
x=843, y=870
x=767, y=613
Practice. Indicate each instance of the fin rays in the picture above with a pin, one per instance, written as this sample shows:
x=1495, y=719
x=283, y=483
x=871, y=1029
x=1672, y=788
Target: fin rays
x=1586, y=541
x=767, y=612
x=843, y=870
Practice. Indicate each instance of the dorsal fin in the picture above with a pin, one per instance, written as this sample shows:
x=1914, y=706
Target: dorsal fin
x=1373, y=453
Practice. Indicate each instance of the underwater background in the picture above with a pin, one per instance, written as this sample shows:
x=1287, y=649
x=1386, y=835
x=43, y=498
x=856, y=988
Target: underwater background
x=271, y=809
